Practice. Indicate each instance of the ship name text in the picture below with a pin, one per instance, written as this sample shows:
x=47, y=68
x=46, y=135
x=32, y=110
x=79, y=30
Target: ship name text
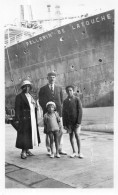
x=61, y=31
x=91, y=21
x=45, y=36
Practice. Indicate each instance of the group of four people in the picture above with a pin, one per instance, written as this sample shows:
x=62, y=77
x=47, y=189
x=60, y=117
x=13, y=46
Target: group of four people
x=56, y=115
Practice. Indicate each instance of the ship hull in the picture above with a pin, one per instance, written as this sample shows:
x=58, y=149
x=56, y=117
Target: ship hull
x=81, y=53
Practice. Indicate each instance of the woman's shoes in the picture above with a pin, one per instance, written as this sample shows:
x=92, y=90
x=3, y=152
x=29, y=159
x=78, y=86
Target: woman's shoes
x=23, y=155
x=28, y=153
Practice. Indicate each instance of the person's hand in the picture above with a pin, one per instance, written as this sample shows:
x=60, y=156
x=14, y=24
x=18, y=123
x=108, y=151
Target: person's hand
x=78, y=128
x=77, y=125
x=17, y=122
x=65, y=128
x=60, y=129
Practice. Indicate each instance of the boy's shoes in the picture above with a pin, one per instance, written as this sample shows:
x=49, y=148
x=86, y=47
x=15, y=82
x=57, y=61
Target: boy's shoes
x=52, y=156
x=62, y=153
x=73, y=155
x=80, y=155
x=58, y=155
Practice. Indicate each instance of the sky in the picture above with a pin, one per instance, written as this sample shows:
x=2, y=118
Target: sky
x=11, y=8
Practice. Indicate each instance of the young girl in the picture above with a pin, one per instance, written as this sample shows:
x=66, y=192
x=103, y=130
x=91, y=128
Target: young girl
x=72, y=117
x=52, y=125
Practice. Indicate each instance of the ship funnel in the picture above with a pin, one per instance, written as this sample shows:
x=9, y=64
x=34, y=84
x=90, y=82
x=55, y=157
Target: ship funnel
x=49, y=15
x=21, y=13
x=30, y=12
x=48, y=6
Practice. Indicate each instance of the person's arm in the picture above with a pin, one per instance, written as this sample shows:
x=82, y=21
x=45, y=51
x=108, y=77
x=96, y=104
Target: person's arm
x=45, y=124
x=42, y=99
x=58, y=120
x=17, y=108
x=38, y=113
x=61, y=95
x=79, y=110
x=64, y=115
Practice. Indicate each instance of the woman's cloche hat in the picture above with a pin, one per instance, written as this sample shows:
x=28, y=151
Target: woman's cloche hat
x=26, y=82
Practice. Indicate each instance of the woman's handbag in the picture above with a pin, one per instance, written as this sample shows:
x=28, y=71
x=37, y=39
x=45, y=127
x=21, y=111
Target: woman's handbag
x=16, y=124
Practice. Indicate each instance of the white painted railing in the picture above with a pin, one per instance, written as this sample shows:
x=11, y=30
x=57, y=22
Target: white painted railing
x=18, y=38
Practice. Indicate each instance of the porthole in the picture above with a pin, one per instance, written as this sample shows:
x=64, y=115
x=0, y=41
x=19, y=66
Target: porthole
x=83, y=32
x=100, y=60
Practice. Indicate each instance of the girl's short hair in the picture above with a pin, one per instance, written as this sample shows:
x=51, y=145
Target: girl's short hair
x=69, y=86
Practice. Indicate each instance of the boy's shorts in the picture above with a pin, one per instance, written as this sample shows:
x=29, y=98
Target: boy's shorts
x=74, y=129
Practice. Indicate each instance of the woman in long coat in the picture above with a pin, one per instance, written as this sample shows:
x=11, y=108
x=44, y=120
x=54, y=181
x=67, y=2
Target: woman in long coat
x=26, y=115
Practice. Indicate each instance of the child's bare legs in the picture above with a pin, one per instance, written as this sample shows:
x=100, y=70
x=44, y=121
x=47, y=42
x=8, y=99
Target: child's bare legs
x=47, y=140
x=56, y=141
x=51, y=142
x=77, y=136
x=72, y=141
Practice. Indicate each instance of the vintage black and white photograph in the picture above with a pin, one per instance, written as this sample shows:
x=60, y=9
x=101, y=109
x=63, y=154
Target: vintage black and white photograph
x=59, y=94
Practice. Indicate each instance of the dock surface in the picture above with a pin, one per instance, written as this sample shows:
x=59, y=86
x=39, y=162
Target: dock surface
x=40, y=171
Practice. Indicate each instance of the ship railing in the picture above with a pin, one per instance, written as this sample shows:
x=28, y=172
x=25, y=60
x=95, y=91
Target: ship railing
x=18, y=38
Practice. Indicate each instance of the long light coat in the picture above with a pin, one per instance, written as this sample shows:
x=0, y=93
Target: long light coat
x=22, y=114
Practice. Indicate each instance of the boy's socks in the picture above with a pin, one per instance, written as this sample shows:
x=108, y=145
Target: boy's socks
x=80, y=155
x=73, y=155
x=58, y=155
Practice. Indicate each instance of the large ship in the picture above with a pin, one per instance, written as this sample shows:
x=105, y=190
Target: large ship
x=80, y=52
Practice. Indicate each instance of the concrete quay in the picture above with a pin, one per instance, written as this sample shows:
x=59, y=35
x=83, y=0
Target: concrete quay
x=39, y=171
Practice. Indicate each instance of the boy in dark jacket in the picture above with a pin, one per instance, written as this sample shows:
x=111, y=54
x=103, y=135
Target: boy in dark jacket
x=72, y=117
